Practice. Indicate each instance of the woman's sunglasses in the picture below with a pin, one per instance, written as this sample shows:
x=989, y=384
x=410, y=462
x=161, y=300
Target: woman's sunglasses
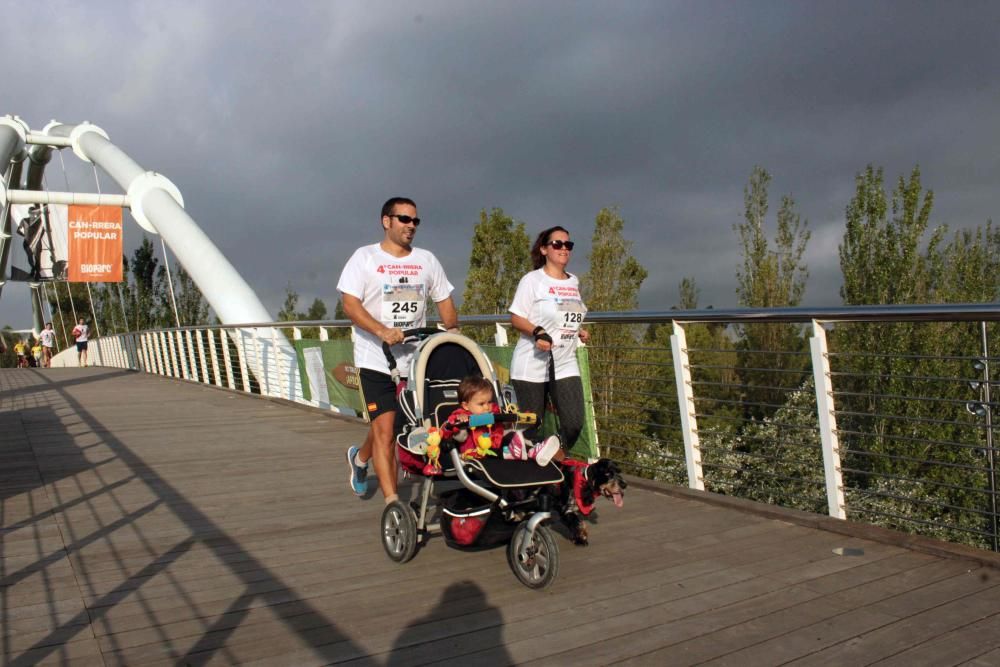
x=559, y=245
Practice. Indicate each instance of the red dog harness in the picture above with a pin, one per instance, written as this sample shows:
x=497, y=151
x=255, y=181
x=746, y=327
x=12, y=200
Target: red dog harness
x=579, y=469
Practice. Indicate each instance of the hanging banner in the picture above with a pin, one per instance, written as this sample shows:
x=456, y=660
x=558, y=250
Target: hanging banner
x=95, y=244
x=41, y=231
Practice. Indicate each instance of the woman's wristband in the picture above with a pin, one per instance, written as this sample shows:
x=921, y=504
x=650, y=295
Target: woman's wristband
x=539, y=334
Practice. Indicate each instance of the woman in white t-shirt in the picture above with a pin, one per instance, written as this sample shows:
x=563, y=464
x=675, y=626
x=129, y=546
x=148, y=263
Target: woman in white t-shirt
x=548, y=312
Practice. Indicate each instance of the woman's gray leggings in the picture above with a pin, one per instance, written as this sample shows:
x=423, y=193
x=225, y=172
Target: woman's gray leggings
x=567, y=396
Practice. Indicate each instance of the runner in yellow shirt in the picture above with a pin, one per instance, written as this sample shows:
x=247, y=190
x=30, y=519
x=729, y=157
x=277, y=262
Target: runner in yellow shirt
x=20, y=349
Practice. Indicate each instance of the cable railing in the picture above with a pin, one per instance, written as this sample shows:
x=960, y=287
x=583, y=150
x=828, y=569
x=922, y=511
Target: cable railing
x=877, y=414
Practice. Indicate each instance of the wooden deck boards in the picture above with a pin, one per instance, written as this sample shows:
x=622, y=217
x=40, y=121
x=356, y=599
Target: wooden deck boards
x=146, y=521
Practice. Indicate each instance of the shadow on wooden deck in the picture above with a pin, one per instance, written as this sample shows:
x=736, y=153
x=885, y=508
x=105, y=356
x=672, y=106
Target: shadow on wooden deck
x=152, y=521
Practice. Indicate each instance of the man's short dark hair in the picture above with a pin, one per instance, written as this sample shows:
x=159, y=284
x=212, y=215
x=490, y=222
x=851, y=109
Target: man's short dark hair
x=390, y=205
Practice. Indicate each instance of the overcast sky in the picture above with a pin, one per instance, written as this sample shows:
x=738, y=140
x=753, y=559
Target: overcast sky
x=286, y=125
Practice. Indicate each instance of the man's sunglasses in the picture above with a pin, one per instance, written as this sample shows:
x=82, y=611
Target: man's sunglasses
x=405, y=219
x=559, y=245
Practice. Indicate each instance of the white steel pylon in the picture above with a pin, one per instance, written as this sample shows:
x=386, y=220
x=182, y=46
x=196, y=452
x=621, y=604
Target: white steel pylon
x=154, y=201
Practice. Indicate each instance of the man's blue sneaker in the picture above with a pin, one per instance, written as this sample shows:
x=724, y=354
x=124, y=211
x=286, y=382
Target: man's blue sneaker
x=359, y=474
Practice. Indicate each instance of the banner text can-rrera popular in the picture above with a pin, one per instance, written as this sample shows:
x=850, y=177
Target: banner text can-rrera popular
x=95, y=244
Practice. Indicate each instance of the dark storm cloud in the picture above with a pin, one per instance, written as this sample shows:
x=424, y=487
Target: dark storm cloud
x=286, y=125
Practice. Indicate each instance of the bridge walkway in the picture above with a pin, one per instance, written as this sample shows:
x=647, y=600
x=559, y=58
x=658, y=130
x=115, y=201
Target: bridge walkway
x=149, y=521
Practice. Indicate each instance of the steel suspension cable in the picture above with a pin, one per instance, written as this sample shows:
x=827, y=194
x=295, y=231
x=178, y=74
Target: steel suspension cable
x=97, y=182
x=90, y=295
x=170, y=282
x=121, y=301
x=71, y=304
x=62, y=320
x=69, y=291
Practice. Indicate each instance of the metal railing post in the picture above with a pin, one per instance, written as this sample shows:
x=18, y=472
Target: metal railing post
x=226, y=359
x=201, y=356
x=191, y=361
x=154, y=351
x=242, y=358
x=685, y=401
x=263, y=382
x=990, y=451
x=836, y=503
x=143, y=351
x=136, y=352
x=276, y=353
x=213, y=352
x=173, y=347
x=128, y=340
x=184, y=351
x=159, y=347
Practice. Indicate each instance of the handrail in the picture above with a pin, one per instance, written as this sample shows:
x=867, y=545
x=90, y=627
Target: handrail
x=766, y=424
x=967, y=312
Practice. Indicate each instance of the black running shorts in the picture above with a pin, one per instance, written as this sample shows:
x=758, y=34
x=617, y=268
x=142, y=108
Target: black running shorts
x=378, y=393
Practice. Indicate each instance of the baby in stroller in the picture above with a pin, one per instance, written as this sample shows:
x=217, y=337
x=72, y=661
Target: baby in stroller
x=478, y=427
x=495, y=500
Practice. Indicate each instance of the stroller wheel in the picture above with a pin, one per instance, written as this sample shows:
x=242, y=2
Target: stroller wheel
x=535, y=561
x=399, y=531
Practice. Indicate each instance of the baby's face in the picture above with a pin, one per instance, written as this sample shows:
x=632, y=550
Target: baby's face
x=480, y=403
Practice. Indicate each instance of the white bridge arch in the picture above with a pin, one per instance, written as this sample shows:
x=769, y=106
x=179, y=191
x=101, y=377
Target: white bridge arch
x=156, y=205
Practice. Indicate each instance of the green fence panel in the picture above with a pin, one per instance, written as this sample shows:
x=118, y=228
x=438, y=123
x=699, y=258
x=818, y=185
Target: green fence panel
x=329, y=364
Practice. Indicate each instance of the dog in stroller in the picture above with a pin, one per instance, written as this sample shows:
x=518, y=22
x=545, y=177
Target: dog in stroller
x=480, y=502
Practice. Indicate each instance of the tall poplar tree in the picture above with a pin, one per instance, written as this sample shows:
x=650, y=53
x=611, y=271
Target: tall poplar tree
x=910, y=443
x=612, y=284
x=500, y=256
x=772, y=275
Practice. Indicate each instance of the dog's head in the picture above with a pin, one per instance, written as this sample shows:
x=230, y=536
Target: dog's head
x=606, y=479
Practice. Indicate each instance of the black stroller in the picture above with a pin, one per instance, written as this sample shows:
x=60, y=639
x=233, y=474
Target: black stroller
x=494, y=501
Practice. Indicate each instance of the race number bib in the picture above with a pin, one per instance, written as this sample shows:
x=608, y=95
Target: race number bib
x=570, y=314
x=402, y=305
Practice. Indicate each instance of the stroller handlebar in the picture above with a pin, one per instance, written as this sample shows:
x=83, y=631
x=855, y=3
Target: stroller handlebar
x=408, y=335
x=488, y=418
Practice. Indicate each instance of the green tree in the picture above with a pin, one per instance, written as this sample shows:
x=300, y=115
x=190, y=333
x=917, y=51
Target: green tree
x=901, y=424
x=881, y=256
x=776, y=460
x=615, y=276
x=620, y=376
x=289, y=313
x=772, y=275
x=7, y=339
x=500, y=256
x=713, y=361
x=149, y=304
x=340, y=333
x=315, y=312
x=191, y=305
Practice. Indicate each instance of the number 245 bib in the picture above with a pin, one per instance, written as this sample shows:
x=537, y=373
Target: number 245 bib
x=402, y=305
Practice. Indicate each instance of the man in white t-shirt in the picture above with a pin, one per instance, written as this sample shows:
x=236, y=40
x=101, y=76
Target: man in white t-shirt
x=80, y=333
x=48, y=338
x=384, y=288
